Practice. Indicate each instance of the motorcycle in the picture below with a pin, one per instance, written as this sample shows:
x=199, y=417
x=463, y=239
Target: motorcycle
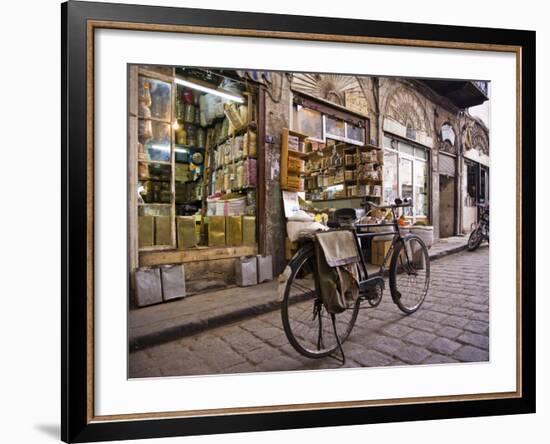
x=480, y=230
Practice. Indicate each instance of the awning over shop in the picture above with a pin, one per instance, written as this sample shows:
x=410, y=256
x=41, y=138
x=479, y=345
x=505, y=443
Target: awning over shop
x=463, y=94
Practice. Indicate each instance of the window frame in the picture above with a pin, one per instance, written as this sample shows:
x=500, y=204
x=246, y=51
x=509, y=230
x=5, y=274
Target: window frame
x=332, y=111
x=413, y=159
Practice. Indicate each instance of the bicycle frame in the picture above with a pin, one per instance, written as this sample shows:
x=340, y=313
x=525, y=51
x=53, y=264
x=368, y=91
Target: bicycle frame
x=367, y=281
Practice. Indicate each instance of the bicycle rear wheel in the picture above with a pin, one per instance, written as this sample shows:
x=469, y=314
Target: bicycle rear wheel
x=474, y=241
x=410, y=273
x=307, y=324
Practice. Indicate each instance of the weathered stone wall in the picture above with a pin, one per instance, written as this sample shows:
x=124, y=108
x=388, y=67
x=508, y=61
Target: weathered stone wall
x=277, y=117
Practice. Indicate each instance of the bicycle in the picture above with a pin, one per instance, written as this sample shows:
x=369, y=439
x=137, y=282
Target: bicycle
x=480, y=230
x=315, y=333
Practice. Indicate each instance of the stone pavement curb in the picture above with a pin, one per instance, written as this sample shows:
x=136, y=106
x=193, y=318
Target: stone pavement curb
x=174, y=332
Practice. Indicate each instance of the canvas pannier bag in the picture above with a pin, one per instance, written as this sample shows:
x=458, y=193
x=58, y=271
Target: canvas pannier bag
x=336, y=257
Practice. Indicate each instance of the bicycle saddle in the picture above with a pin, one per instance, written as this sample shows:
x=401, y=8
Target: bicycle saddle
x=344, y=216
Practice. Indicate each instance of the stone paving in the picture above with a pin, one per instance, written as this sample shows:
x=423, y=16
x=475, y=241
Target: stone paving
x=451, y=326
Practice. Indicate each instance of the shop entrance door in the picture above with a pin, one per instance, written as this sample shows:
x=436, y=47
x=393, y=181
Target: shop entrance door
x=446, y=205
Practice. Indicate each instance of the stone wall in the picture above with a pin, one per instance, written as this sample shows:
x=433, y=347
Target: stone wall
x=277, y=117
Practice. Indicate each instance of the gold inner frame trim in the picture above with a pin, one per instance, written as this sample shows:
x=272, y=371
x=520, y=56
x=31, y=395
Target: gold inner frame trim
x=98, y=24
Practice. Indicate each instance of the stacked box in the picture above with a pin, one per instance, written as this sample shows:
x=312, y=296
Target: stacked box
x=264, y=268
x=148, y=286
x=163, y=230
x=233, y=230
x=246, y=271
x=249, y=230
x=187, y=237
x=295, y=164
x=146, y=231
x=173, y=281
x=216, y=231
x=379, y=249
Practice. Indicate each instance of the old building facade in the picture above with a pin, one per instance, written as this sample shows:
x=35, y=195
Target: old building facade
x=435, y=151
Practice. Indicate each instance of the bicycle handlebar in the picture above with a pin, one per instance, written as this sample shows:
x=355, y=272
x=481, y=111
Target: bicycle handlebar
x=407, y=203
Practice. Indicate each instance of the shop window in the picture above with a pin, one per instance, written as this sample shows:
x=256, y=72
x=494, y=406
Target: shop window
x=197, y=169
x=391, y=191
x=321, y=122
x=310, y=123
x=471, y=183
x=406, y=175
x=484, y=185
x=155, y=228
x=355, y=133
x=420, y=188
x=335, y=129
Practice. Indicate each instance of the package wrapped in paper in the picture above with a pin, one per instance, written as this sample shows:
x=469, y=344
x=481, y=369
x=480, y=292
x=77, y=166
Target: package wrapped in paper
x=249, y=230
x=216, y=231
x=296, y=229
x=233, y=230
x=163, y=232
x=186, y=232
x=146, y=231
x=250, y=172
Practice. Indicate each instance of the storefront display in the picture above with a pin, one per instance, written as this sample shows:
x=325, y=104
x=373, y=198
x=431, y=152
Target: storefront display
x=196, y=158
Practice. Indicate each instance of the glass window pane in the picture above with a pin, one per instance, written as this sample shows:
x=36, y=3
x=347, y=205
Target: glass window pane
x=471, y=184
x=154, y=99
x=155, y=138
x=387, y=142
x=335, y=127
x=406, y=181
x=421, y=153
x=420, y=188
x=310, y=123
x=356, y=133
x=405, y=148
x=390, y=177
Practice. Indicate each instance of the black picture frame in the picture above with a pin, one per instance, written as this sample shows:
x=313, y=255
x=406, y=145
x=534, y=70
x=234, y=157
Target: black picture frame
x=77, y=424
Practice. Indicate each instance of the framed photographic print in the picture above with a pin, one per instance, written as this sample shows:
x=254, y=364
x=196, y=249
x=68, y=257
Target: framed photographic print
x=276, y=221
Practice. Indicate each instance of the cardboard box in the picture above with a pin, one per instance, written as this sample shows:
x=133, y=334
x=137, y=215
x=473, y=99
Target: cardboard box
x=216, y=231
x=233, y=230
x=295, y=164
x=173, y=281
x=295, y=182
x=146, y=231
x=379, y=249
x=148, y=286
x=186, y=233
x=163, y=230
x=249, y=230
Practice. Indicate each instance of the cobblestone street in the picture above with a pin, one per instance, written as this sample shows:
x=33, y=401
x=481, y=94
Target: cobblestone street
x=451, y=326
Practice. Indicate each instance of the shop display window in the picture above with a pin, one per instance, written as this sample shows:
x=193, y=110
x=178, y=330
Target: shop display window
x=406, y=175
x=154, y=187
x=310, y=123
x=196, y=161
x=335, y=128
x=355, y=133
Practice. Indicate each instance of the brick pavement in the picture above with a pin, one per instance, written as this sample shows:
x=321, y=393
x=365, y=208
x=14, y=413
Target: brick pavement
x=451, y=326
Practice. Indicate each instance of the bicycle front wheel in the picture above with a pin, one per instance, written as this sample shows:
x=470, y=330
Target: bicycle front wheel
x=410, y=273
x=307, y=324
